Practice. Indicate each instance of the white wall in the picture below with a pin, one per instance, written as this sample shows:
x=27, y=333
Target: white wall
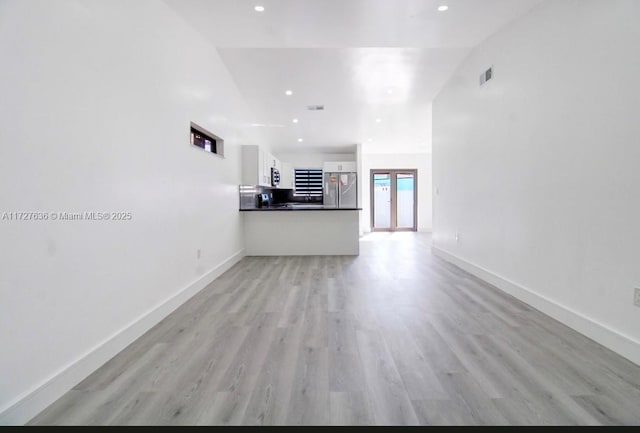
x=539, y=170
x=421, y=162
x=298, y=235
x=313, y=160
x=361, y=178
x=96, y=102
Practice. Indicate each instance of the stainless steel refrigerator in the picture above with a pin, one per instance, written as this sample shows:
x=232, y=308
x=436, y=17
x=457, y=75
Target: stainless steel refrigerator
x=341, y=190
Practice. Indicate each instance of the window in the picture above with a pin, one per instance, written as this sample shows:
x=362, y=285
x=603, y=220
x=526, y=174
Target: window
x=207, y=141
x=308, y=182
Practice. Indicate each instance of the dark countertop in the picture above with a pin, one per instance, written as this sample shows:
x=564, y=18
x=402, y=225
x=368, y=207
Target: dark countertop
x=298, y=208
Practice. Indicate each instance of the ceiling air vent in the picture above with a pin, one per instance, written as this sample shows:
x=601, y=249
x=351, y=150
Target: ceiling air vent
x=486, y=76
x=315, y=108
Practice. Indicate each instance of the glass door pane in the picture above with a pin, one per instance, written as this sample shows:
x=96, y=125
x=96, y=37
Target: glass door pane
x=382, y=201
x=405, y=201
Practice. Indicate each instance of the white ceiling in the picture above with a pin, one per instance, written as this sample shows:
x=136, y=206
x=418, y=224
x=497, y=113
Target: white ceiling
x=363, y=59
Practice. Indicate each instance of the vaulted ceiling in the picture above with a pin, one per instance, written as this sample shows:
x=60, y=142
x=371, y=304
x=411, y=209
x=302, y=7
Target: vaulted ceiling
x=375, y=65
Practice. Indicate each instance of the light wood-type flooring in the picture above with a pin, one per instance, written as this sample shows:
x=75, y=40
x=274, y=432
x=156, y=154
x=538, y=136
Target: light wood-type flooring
x=393, y=337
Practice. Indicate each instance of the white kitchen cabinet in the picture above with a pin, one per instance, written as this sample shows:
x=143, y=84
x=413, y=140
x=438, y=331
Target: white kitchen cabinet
x=256, y=166
x=286, y=176
x=273, y=162
x=266, y=167
x=340, y=167
x=277, y=164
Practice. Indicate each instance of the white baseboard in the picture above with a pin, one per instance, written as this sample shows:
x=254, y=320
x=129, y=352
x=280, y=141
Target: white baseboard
x=32, y=403
x=609, y=338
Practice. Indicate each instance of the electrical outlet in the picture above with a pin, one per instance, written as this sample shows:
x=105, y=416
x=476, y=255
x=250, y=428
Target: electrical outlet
x=199, y=254
x=636, y=298
x=486, y=76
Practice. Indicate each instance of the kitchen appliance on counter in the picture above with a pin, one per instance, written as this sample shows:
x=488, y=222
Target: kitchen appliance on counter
x=263, y=200
x=341, y=190
x=275, y=177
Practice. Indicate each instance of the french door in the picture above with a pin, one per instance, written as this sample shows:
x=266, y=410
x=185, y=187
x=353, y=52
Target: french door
x=394, y=200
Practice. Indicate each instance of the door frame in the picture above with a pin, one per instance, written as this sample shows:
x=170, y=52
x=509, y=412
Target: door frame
x=394, y=199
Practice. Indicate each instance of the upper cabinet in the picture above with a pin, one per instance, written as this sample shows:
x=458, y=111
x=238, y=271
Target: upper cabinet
x=257, y=165
x=266, y=167
x=340, y=167
x=274, y=162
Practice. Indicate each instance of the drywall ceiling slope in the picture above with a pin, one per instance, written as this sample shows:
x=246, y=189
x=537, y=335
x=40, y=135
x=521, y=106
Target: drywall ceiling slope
x=363, y=60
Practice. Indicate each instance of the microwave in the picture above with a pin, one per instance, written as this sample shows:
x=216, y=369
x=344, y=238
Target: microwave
x=275, y=177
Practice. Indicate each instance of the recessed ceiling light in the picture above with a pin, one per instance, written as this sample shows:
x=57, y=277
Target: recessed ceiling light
x=443, y=8
x=300, y=140
x=295, y=121
x=259, y=8
x=370, y=140
x=378, y=120
x=390, y=91
x=289, y=92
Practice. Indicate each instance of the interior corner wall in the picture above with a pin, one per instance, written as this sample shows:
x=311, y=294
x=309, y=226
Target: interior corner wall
x=537, y=171
x=418, y=161
x=97, y=99
x=361, y=178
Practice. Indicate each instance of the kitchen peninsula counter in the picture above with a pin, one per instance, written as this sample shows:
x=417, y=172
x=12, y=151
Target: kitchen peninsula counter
x=298, y=208
x=302, y=230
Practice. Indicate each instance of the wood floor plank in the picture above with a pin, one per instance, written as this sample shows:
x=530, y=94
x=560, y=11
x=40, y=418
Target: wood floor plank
x=275, y=382
x=97, y=407
x=519, y=411
x=420, y=381
x=69, y=410
x=473, y=360
x=476, y=405
x=293, y=310
x=528, y=383
x=384, y=384
x=599, y=377
x=309, y=400
x=395, y=336
x=436, y=349
x=345, y=371
x=191, y=385
x=345, y=365
x=443, y=413
x=337, y=295
x=351, y=409
x=610, y=412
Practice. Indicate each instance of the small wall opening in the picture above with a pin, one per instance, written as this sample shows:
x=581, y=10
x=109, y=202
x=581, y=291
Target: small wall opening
x=206, y=141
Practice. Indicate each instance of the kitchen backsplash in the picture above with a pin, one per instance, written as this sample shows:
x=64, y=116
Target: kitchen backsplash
x=287, y=196
x=248, y=195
